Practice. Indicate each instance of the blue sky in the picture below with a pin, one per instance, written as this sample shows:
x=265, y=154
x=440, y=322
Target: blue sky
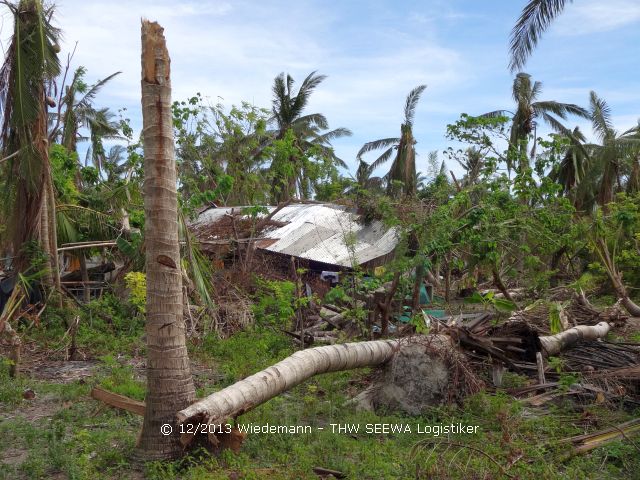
x=374, y=53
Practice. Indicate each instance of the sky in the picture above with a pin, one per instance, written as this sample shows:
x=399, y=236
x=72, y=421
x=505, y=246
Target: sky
x=373, y=52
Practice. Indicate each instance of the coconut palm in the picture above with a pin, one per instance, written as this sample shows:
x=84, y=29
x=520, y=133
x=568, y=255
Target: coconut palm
x=365, y=178
x=536, y=16
x=571, y=169
x=310, y=133
x=472, y=164
x=615, y=152
x=169, y=381
x=403, y=168
x=31, y=63
x=528, y=110
x=79, y=112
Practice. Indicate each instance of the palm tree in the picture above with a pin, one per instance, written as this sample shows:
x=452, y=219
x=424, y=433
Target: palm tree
x=79, y=112
x=572, y=168
x=536, y=16
x=528, y=109
x=403, y=168
x=614, y=152
x=307, y=132
x=169, y=381
x=365, y=179
x=472, y=164
x=31, y=62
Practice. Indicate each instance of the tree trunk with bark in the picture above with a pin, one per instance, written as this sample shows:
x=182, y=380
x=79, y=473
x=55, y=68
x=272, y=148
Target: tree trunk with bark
x=53, y=226
x=293, y=370
x=44, y=236
x=169, y=382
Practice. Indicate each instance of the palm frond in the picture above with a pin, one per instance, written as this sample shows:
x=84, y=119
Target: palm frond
x=304, y=92
x=312, y=120
x=601, y=117
x=386, y=155
x=536, y=16
x=554, y=123
x=89, y=97
x=377, y=145
x=199, y=267
x=560, y=109
x=412, y=101
x=496, y=114
x=333, y=134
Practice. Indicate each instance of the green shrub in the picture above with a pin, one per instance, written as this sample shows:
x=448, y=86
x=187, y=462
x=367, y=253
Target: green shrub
x=136, y=282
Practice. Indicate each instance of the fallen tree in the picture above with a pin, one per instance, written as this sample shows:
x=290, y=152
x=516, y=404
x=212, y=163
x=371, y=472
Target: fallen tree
x=554, y=344
x=417, y=372
x=247, y=394
x=255, y=390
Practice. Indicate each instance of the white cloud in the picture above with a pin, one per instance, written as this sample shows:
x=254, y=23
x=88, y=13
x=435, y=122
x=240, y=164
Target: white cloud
x=234, y=52
x=591, y=16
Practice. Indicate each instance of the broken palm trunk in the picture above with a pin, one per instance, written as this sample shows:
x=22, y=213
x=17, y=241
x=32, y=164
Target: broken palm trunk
x=418, y=371
x=554, y=344
x=293, y=370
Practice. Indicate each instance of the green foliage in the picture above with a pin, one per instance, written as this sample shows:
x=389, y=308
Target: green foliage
x=490, y=299
x=120, y=378
x=136, y=283
x=555, y=321
x=260, y=347
x=64, y=170
x=337, y=295
x=276, y=302
x=132, y=250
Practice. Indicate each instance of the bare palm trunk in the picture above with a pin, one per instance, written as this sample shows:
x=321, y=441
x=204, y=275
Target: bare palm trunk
x=53, y=225
x=554, y=344
x=45, y=237
x=293, y=370
x=169, y=381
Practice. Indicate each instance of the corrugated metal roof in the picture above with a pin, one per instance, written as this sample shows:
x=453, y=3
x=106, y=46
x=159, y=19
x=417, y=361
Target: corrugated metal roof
x=325, y=233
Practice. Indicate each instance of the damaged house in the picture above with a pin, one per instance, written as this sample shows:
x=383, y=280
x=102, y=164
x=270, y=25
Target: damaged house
x=320, y=237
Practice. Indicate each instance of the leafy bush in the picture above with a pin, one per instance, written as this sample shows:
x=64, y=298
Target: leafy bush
x=276, y=302
x=136, y=282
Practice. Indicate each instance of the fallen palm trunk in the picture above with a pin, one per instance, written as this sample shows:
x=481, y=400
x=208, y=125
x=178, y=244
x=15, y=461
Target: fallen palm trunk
x=554, y=344
x=293, y=370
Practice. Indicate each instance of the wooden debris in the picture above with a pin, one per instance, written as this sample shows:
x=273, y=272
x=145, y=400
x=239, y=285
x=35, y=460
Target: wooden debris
x=118, y=401
x=586, y=443
x=326, y=472
x=540, y=363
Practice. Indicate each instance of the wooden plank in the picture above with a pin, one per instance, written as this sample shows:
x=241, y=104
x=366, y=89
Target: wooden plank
x=118, y=401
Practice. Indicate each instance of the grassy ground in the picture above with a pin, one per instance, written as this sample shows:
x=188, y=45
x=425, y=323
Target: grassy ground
x=63, y=434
